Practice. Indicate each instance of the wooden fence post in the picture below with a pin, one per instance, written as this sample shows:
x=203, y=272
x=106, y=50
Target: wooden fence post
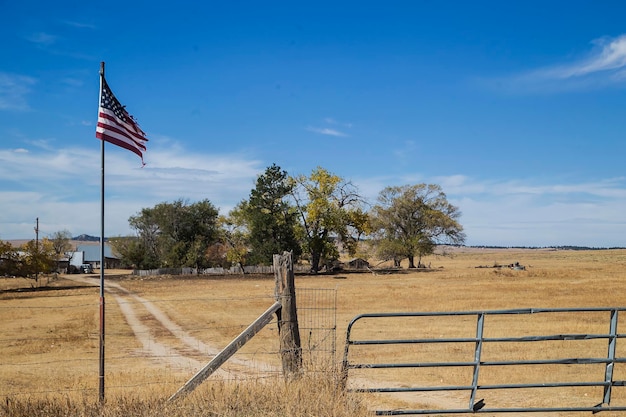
x=288, y=330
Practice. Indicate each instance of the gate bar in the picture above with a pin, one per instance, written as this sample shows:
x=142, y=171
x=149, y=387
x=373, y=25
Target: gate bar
x=477, y=353
x=608, y=375
x=479, y=407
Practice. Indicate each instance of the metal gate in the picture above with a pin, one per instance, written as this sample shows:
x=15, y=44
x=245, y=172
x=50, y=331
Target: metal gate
x=516, y=361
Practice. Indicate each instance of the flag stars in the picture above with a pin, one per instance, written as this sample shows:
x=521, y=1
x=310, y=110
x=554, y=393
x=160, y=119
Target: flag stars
x=110, y=102
x=116, y=126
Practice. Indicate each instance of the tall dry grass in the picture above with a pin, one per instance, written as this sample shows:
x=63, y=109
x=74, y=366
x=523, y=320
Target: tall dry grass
x=49, y=339
x=310, y=396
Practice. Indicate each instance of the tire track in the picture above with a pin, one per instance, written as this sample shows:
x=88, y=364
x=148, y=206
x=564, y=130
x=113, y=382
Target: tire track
x=145, y=332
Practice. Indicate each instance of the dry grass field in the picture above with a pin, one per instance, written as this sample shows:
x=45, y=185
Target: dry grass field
x=160, y=331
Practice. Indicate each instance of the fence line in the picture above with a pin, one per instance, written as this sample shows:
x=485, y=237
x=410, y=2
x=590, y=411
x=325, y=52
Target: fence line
x=73, y=329
x=233, y=270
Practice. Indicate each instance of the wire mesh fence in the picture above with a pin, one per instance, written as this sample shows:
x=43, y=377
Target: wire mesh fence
x=317, y=317
x=49, y=340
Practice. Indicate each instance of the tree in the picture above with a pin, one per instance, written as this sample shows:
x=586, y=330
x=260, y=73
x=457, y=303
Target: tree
x=62, y=245
x=270, y=220
x=38, y=257
x=235, y=235
x=9, y=259
x=142, y=251
x=389, y=249
x=174, y=234
x=411, y=220
x=330, y=212
x=133, y=252
x=217, y=255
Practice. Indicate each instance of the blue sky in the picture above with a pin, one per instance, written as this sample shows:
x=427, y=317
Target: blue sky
x=515, y=108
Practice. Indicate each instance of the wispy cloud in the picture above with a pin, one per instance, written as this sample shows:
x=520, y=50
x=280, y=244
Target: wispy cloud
x=609, y=55
x=603, y=66
x=79, y=25
x=65, y=183
x=60, y=185
x=531, y=213
x=326, y=131
x=73, y=82
x=42, y=38
x=527, y=212
x=13, y=91
x=332, y=121
x=56, y=45
x=332, y=128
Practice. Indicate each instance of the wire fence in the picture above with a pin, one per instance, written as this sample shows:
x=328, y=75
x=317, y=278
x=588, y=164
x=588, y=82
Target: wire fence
x=49, y=345
x=234, y=270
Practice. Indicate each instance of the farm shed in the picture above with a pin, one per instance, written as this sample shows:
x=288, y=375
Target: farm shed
x=358, y=263
x=91, y=255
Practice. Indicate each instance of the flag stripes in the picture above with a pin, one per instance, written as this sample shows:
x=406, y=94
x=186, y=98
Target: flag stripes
x=118, y=127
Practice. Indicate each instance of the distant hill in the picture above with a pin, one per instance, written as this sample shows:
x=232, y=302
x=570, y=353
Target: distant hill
x=87, y=238
x=566, y=247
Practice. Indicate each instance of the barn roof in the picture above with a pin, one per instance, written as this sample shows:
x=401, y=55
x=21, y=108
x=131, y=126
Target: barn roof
x=92, y=252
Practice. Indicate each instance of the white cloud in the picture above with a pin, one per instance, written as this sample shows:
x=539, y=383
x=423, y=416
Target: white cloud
x=56, y=45
x=609, y=55
x=326, y=131
x=332, y=121
x=14, y=90
x=63, y=186
x=79, y=25
x=527, y=212
x=604, y=65
x=331, y=131
x=73, y=82
x=42, y=38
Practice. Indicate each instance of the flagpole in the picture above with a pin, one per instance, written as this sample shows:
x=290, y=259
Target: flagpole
x=115, y=125
x=101, y=374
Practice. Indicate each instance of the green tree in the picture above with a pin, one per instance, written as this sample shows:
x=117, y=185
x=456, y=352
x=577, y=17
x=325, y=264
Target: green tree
x=39, y=257
x=9, y=259
x=133, y=253
x=62, y=245
x=142, y=251
x=330, y=213
x=235, y=235
x=387, y=248
x=270, y=220
x=175, y=234
x=411, y=220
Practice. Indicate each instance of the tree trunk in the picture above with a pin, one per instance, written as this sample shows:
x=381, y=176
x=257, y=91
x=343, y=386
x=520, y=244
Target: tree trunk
x=315, y=261
x=411, y=261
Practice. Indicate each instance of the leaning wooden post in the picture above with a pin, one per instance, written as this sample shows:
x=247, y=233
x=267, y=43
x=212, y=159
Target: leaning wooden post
x=288, y=330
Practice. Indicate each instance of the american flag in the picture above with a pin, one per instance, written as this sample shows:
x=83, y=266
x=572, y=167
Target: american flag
x=118, y=127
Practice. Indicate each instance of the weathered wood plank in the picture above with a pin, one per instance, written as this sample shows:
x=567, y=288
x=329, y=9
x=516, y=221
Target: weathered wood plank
x=227, y=352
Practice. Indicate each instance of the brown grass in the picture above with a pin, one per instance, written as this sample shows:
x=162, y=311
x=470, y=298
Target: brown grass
x=310, y=396
x=49, y=346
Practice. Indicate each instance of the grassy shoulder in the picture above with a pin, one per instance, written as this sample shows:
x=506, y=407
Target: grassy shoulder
x=312, y=395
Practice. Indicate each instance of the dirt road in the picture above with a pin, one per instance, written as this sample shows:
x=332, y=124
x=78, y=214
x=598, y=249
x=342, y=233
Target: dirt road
x=147, y=327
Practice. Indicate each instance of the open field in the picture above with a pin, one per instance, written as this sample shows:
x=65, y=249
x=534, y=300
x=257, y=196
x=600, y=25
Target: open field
x=161, y=330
